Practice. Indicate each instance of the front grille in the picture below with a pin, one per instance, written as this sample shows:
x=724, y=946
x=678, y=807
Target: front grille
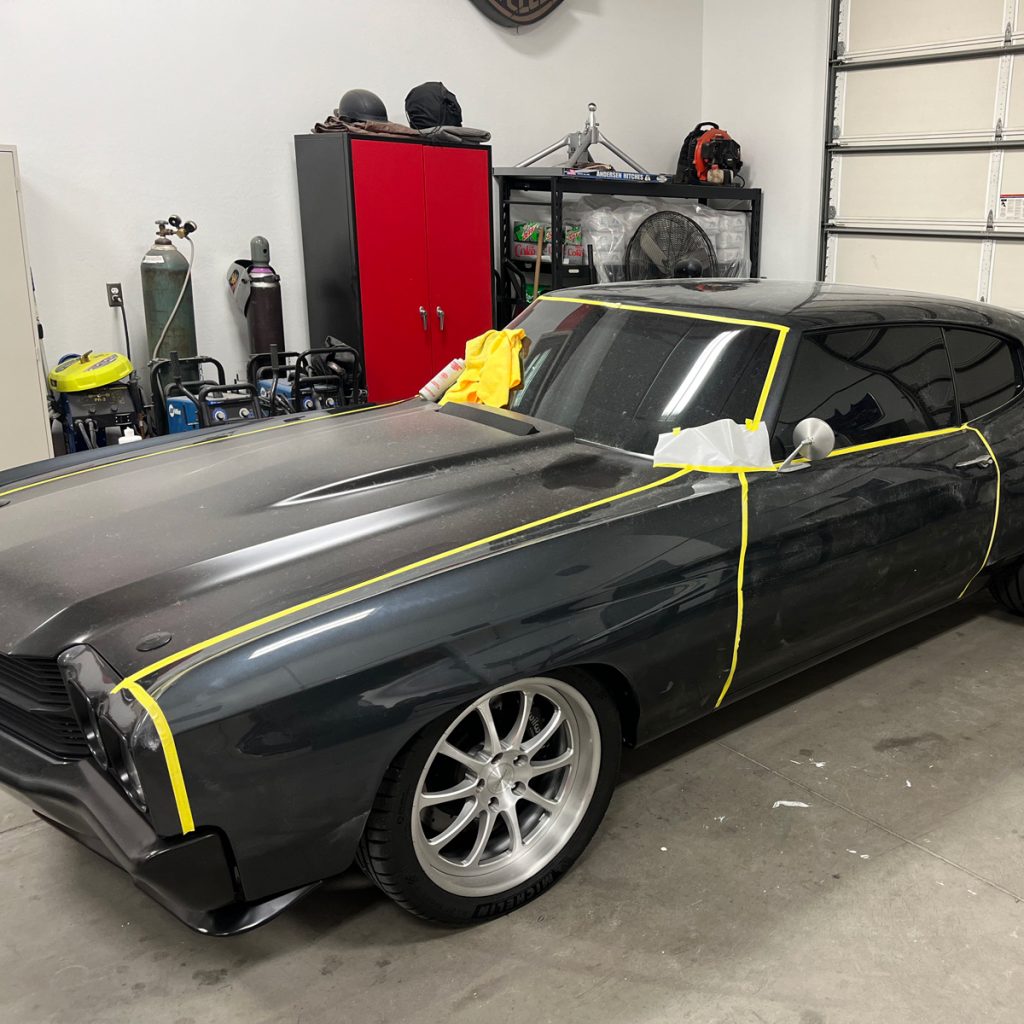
x=34, y=706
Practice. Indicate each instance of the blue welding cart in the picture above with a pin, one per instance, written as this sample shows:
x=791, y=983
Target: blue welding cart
x=325, y=378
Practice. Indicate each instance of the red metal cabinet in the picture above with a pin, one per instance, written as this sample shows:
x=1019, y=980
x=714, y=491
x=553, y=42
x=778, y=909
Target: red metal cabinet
x=393, y=285
x=460, y=288
x=397, y=246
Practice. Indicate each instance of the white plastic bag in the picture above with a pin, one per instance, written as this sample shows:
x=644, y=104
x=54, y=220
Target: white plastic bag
x=724, y=444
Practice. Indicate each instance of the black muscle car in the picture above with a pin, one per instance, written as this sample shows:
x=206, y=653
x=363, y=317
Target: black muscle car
x=418, y=635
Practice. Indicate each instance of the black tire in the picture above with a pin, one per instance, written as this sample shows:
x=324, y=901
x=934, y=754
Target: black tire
x=387, y=853
x=1007, y=589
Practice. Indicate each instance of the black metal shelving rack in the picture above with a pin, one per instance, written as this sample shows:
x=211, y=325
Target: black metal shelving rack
x=550, y=181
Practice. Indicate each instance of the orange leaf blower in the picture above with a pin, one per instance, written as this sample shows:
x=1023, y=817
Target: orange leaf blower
x=709, y=156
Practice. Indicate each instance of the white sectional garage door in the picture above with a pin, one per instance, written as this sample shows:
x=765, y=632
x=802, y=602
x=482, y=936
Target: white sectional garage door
x=924, y=180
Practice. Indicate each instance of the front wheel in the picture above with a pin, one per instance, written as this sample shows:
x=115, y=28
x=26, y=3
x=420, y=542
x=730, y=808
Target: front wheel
x=481, y=814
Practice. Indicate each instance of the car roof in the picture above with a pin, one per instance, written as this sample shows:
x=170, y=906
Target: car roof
x=801, y=304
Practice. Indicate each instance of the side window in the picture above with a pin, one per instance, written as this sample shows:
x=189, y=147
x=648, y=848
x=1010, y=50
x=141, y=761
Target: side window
x=869, y=385
x=987, y=369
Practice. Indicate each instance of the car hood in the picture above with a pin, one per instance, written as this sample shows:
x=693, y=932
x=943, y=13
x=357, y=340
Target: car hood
x=198, y=538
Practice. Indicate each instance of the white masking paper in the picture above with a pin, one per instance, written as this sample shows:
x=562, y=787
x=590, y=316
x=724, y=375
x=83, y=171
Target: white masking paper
x=722, y=444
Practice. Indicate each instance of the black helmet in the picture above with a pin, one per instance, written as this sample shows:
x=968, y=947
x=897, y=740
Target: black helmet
x=361, y=105
x=431, y=105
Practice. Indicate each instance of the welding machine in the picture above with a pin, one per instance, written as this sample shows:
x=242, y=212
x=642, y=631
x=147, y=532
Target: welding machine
x=96, y=398
x=213, y=405
x=199, y=402
x=321, y=378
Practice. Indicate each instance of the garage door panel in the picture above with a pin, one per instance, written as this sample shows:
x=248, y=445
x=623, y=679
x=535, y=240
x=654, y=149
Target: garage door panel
x=1008, y=275
x=1015, y=101
x=918, y=264
x=956, y=98
x=1013, y=169
x=913, y=24
x=919, y=187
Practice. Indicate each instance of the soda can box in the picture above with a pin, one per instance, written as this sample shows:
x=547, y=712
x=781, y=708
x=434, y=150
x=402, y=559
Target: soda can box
x=528, y=251
x=528, y=231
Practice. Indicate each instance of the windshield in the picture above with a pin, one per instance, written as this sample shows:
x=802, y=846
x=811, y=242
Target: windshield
x=621, y=378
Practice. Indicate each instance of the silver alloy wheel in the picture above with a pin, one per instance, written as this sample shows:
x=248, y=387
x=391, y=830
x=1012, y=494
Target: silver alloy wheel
x=506, y=787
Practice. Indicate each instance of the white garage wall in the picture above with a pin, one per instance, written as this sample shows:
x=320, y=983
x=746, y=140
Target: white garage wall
x=125, y=111
x=763, y=79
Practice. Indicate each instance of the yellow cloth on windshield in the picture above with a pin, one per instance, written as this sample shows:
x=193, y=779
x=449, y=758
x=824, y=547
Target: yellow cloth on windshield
x=492, y=369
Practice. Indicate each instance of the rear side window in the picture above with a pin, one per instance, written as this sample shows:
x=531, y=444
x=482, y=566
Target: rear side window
x=869, y=385
x=987, y=371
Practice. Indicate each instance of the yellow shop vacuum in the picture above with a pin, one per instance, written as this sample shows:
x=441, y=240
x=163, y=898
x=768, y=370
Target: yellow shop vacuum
x=97, y=400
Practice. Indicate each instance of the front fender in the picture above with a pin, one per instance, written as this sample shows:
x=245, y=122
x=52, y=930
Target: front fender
x=283, y=740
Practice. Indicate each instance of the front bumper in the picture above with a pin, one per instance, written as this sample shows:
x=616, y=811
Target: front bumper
x=192, y=876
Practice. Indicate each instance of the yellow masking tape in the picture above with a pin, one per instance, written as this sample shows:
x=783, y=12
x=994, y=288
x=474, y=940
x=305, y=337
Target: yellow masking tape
x=769, y=378
x=684, y=313
x=222, y=439
x=995, y=516
x=163, y=730
x=131, y=682
x=744, y=532
x=870, y=445
x=716, y=469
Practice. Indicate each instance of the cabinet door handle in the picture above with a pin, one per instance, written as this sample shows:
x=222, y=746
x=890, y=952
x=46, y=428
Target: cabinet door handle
x=440, y=316
x=423, y=316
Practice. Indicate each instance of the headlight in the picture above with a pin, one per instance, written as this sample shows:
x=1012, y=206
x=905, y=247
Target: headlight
x=90, y=725
x=128, y=775
x=107, y=720
x=89, y=681
x=118, y=720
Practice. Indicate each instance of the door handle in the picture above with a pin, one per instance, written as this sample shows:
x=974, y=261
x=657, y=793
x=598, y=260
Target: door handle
x=981, y=460
x=440, y=316
x=423, y=316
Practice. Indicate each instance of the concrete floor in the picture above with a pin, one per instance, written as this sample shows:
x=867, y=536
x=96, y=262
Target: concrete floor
x=893, y=896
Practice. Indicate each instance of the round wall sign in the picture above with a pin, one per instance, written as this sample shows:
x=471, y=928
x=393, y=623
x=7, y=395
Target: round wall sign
x=516, y=12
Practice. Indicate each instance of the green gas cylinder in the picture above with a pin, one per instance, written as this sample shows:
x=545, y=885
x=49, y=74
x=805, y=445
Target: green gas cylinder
x=164, y=270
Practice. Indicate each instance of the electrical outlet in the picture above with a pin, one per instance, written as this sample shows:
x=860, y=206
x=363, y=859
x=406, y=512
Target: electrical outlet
x=114, y=294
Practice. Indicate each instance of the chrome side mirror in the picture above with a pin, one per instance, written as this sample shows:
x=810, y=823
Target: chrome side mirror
x=813, y=439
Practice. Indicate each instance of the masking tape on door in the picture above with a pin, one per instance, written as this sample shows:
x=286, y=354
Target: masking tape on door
x=995, y=514
x=744, y=533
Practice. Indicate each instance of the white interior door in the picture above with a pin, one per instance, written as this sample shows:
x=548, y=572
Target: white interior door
x=24, y=418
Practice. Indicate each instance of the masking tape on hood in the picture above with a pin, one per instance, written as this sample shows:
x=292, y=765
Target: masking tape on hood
x=131, y=682
x=220, y=439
